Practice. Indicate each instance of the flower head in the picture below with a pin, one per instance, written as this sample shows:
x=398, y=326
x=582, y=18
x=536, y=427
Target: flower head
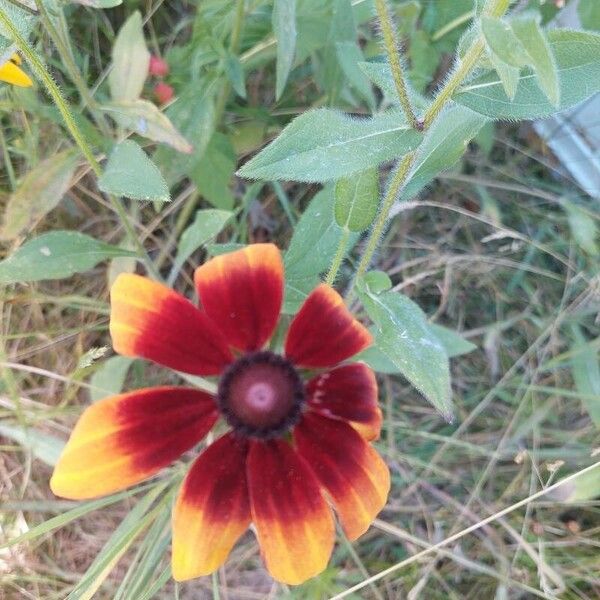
x=163, y=92
x=299, y=422
x=11, y=73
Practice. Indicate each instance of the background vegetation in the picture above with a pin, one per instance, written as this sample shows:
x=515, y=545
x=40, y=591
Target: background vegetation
x=502, y=248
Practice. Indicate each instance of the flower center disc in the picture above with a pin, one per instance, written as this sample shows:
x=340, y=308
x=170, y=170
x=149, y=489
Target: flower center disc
x=261, y=395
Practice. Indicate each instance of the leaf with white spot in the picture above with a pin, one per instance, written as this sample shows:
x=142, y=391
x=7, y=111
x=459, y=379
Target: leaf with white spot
x=404, y=337
x=56, y=255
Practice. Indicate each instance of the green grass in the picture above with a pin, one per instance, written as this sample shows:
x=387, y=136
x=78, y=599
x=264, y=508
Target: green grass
x=487, y=250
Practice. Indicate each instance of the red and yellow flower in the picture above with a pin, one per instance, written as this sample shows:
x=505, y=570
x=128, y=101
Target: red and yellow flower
x=11, y=73
x=293, y=446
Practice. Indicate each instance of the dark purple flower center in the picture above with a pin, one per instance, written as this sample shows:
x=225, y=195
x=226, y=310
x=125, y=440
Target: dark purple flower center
x=261, y=395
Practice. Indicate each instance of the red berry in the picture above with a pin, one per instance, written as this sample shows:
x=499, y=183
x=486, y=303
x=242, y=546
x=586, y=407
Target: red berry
x=158, y=67
x=163, y=92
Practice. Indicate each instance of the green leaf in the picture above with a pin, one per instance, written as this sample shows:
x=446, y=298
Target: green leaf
x=404, y=337
x=130, y=173
x=424, y=60
x=444, y=145
x=235, y=74
x=315, y=240
x=146, y=120
x=377, y=281
x=380, y=74
x=324, y=144
x=589, y=14
x=454, y=344
x=38, y=193
x=586, y=373
x=577, y=56
x=508, y=75
x=350, y=56
x=56, y=255
x=108, y=380
x=502, y=42
x=130, y=61
x=540, y=56
x=42, y=445
x=194, y=116
x=284, y=29
x=213, y=172
x=357, y=200
x=207, y=224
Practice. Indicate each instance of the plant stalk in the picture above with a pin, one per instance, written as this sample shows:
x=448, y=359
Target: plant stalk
x=394, y=187
x=391, y=48
x=338, y=259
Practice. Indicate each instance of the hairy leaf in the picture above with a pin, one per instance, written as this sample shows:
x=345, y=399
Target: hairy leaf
x=444, y=144
x=315, y=240
x=356, y=200
x=404, y=337
x=130, y=173
x=323, y=145
x=540, y=56
x=577, y=56
x=502, y=42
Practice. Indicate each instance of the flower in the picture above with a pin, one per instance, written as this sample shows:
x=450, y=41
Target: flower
x=292, y=446
x=158, y=67
x=163, y=92
x=11, y=73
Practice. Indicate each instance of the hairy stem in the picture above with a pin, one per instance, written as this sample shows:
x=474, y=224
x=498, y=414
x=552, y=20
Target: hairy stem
x=391, y=48
x=397, y=181
x=63, y=107
x=338, y=259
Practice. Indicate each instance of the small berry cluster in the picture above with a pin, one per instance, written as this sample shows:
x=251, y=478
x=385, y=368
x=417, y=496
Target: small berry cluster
x=159, y=68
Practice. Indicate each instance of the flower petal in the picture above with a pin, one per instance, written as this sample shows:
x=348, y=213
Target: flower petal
x=212, y=509
x=242, y=292
x=152, y=321
x=349, y=393
x=348, y=468
x=293, y=522
x=324, y=333
x=121, y=440
x=11, y=73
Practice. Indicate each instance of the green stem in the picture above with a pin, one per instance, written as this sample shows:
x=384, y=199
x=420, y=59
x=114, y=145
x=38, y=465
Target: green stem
x=338, y=259
x=58, y=99
x=396, y=183
x=462, y=69
x=391, y=48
